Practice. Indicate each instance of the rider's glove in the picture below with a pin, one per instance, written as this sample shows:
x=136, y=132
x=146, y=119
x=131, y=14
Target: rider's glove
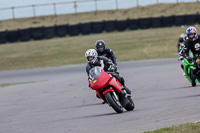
x=112, y=68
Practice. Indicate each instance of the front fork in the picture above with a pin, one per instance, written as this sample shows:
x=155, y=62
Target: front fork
x=121, y=99
x=116, y=98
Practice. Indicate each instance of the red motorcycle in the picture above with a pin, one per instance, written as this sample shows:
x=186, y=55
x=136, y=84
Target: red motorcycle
x=110, y=90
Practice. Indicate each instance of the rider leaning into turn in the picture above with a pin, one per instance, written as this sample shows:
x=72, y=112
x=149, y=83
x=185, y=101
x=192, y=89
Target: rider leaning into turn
x=106, y=52
x=93, y=60
x=193, y=44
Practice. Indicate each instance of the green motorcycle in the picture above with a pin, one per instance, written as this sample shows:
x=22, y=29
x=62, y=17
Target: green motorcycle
x=188, y=65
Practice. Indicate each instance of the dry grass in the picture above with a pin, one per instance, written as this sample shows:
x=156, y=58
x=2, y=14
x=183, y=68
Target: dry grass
x=146, y=11
x=185, y=128
x=4, y=85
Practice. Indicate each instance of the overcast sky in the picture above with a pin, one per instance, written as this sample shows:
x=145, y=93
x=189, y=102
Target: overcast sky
x=11, y=3
x=69, y=8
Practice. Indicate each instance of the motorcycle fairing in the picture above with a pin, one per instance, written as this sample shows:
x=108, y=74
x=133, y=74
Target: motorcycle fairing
x=116, y=84
x=187, y=68
x=101, y=81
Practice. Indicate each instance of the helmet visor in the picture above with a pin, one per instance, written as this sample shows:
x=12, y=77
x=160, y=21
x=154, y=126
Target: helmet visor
x=89, y=58
x=191, y=35
x=100, y=47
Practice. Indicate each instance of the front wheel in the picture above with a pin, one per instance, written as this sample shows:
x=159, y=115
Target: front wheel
x=193, y=78
x=113, y=101
x=130, y=105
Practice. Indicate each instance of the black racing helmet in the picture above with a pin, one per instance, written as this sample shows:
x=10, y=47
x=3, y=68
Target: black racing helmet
x=100, y=44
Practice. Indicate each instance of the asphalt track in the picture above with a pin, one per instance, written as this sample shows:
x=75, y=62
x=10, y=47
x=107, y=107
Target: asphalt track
x=60, y=101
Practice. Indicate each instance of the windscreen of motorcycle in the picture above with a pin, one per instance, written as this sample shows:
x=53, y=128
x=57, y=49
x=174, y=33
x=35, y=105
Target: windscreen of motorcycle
x=95, y=72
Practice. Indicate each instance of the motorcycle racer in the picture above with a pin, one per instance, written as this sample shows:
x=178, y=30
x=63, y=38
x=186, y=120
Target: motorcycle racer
x=103, y=51
x=181, y=44
x=93, y=60
x=193, y=44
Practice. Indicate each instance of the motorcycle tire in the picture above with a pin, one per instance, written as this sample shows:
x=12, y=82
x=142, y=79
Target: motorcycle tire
x=193, y=78
x=130, y=105
x=116, y=105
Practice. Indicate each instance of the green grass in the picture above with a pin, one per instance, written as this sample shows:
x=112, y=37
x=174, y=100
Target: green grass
x=136, y=12
x=185, y=128
x=128, y=45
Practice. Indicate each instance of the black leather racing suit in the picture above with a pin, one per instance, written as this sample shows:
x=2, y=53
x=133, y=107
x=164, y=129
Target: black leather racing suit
x=109, y=54
x=194, y=46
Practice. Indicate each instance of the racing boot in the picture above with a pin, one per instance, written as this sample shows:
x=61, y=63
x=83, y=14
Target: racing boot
x=100, y=98
x=182, y=67
x=124, y=87
x=128, y=92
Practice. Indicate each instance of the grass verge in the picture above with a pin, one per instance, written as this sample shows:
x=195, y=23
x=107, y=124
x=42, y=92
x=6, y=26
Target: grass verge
x=4, y=85
x=128, y=45
x=185, y=128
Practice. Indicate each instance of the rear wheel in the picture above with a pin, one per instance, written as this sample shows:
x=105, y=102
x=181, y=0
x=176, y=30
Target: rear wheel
x=130, y=105
x=113, y=101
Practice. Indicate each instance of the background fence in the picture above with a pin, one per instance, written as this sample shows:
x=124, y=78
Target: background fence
x=75, y=7
x=40, y=33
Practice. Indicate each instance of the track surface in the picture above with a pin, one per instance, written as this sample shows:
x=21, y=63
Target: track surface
x=60, y=102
